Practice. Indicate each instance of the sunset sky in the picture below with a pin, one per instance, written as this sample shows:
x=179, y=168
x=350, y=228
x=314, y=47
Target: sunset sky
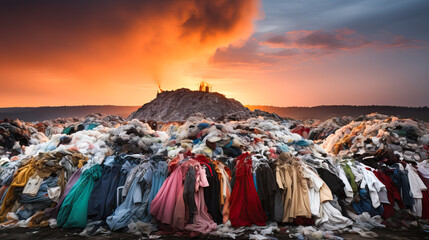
x=271, y=52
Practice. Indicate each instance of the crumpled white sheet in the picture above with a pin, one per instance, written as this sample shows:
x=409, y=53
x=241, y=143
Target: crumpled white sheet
x=266, y=230
x=13, y=221
x=364, y=223
x=260, y=232
x=331, y=218
x=310, y=232
x=53, y=223
x=227, y=231
x=88, y=231
x=139, y=228
x=257, y=236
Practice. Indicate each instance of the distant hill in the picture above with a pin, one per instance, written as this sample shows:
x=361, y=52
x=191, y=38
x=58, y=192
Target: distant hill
x=326, y=112
x=183, y=103
x=32, y=114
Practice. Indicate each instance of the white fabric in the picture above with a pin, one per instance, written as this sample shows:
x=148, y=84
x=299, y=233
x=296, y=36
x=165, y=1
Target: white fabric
x=347, y=188
x=32, y=186
x=382, y=195
x=423, y=168
x=54, y=193
x=416, y=188
x=416, y=184
x=417, y=207
x=374, y=185
x=313, y=191
x=331, y=218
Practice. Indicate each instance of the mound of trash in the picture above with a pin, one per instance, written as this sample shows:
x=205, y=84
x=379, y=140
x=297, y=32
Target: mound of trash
x=180, y=104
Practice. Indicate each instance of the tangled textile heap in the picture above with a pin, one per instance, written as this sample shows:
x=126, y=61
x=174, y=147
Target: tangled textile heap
x=319, y=130
x=405, y=138
x=191, y=176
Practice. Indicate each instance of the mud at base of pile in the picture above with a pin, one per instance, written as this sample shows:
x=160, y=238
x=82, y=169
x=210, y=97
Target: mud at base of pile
x=71, y=234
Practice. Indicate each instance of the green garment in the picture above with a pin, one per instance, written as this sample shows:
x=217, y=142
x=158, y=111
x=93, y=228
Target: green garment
x=67, y=130
x=350, y=176
x=73, y=212
x=92, y=126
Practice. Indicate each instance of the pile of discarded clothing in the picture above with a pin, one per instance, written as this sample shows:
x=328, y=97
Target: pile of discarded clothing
x=15, y=134
x=377, y=135
x=318, y=130
x=392, y=155
x=205, y=177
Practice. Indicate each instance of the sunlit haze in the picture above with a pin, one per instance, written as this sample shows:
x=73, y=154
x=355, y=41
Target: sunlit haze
x=273, y=52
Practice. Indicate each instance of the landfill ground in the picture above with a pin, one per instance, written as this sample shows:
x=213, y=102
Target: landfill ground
x=71, y=234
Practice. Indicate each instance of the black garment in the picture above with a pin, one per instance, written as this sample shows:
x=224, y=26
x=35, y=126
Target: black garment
x=375, y=159
x=212, y=194
x=232, y=182
x=189, y=193
x=102, y=201
x=64, y=140
x=232, y=151
x=334, y=182
x=266, y=183
x=211, y=145
x=337, y=187
x=80, y=127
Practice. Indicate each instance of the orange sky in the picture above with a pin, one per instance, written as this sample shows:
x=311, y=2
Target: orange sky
x=54, y=55
x=117, y=52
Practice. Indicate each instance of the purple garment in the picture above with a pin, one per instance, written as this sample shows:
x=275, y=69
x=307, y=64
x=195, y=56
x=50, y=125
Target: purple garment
x=53, y=212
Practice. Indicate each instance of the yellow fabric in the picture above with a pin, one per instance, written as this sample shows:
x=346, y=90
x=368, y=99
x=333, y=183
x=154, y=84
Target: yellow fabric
x=42, y=165
x=325, y=193
x=288, y=196
x=20, y=179
x=295, y=195
x=303, y=199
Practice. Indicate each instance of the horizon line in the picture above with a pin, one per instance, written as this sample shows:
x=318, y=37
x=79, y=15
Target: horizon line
x=246, y=105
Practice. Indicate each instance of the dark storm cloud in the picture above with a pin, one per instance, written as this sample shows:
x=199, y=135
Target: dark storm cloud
x=284, y=53
x=278, y=39
x=331, y=40
x=52, y=32
x=248, y=54
x=212, y=17
x=89, y=46
x=296, y=47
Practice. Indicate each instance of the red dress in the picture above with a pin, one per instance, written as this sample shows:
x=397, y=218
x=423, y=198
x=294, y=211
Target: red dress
x=393, y=194
x=246, y=208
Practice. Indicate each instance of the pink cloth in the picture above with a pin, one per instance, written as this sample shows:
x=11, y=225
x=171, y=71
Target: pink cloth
x=169, y=207
x=203, y=222
x=180, y=216
x=163, y=205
